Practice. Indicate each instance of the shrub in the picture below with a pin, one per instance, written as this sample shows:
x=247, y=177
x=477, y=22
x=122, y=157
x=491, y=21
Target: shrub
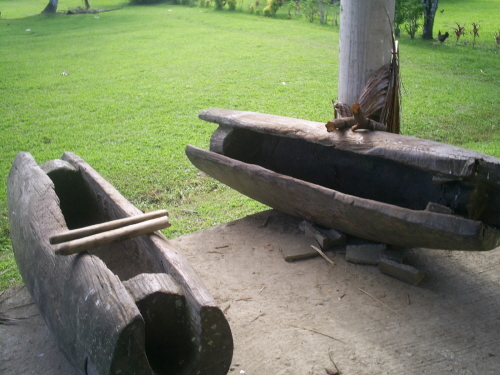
x=272, y=7
x=310, y=9
x=409, y=13
x=231, y=4
x=219, y=4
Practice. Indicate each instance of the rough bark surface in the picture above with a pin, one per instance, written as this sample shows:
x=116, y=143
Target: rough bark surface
x=51, y=7
x=82, y=297
x=429, y=8
x=369, y=184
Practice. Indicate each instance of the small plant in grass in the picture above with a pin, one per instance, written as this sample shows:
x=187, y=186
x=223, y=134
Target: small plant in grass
x=497, y=38
x=459, y=31
x=475, y=33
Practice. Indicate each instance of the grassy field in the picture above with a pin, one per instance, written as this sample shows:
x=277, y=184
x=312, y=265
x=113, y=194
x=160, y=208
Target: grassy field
x=138, y=77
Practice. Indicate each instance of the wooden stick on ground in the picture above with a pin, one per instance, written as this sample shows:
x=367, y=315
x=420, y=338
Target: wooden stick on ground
x=376, y=299
x=314, y=331
x=325, y=257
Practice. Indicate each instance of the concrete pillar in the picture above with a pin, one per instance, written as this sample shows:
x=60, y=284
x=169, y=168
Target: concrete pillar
x=365, y=44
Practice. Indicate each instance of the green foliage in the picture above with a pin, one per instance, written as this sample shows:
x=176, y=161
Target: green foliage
x=409, y=14
x=136, y=84
x=219, y=4
x=310, y=9
x=272, y=7
x=231, y=4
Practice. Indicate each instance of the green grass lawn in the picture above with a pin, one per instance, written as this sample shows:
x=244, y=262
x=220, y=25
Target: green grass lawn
x=139, y=76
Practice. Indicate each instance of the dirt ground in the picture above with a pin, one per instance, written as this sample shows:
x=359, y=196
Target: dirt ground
x=303, y=317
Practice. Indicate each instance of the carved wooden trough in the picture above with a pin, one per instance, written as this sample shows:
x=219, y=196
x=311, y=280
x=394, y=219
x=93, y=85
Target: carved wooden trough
x=131, y=307
x=379, y=186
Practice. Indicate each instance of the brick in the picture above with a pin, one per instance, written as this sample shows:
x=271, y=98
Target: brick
x=402, y=272
x=326, y=238
x=394, y=255
x=297, y=247
x=364, y=252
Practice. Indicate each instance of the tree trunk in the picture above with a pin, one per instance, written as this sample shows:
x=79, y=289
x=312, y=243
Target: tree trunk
x=429, y=8
x=365, y=44
x=51, y=7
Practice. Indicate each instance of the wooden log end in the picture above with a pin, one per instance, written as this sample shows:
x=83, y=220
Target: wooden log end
x=330, y=126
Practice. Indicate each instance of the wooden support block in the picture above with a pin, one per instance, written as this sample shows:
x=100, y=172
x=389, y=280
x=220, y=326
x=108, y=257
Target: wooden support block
x=402, y=272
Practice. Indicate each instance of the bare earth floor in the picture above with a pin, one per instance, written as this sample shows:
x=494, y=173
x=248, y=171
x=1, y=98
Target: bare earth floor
x=307, y=316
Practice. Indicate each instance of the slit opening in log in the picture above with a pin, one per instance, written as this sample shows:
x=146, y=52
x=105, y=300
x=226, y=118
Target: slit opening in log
x=81, y=207
x=77, y=205
x=363, y=176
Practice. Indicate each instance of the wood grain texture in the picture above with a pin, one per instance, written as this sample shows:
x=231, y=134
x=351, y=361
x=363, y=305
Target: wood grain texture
x=96, y=320
x=109, y=237
x=449, y=161
x=364, y=218
x=104, y=227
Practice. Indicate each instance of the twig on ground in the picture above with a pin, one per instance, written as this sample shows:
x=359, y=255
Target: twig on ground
x=379, y=301
x=258, y=316
x=323, y=255
x=314, y=331
x=244, y=299
x=331, y=359
x=261, y=289
x=221, y=247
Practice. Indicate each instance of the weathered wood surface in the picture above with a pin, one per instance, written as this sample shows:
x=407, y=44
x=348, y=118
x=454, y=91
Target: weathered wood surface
x=104, y=227
x=393, y=177
x=109, y=237
x=453, y=163
x=356, y=216
x=82, y=297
